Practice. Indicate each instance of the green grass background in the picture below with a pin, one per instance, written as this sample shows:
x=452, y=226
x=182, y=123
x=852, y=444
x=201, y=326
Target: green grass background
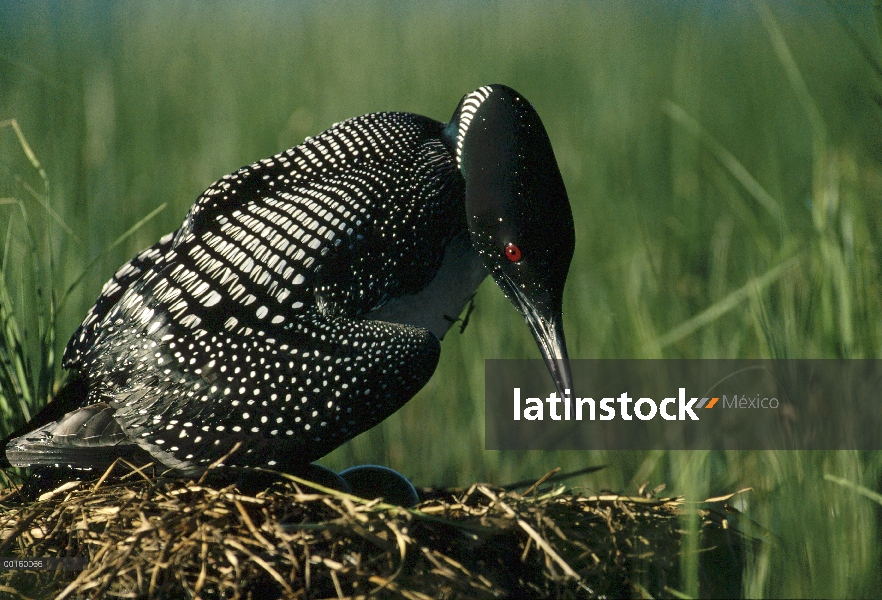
x=703, y=144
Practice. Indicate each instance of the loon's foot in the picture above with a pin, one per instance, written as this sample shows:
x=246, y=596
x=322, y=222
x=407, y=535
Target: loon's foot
x=250, y=481
x=374, y=481
x=46, y=479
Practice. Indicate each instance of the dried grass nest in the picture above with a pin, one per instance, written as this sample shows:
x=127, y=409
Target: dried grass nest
x=149, y=536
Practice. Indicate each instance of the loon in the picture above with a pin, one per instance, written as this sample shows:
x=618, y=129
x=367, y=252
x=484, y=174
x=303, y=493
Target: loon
x=303, y=298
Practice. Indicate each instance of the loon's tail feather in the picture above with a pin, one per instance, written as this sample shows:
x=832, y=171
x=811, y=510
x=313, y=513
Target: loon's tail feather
x=76, y=458
x=71, y=395
x=86, y=438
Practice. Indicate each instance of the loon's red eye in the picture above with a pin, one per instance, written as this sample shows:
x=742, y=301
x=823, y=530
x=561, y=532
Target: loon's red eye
x=512, y=253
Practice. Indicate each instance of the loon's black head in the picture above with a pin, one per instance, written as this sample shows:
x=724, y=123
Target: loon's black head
x=517, y=208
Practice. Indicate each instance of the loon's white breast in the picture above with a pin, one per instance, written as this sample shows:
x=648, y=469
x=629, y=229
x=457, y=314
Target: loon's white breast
x=446, y=295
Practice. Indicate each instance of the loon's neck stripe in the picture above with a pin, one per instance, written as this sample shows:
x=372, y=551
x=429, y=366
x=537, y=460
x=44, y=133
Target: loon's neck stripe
x=470, y=105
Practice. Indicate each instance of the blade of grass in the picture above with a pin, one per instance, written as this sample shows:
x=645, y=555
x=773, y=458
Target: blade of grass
x=131, y=231
x=6, y=374
x=862, y=47
x=43, y=199
x=726, y=158
x=6, y=244
x=877, y=12
x=16, y=371
x=797, y=82
x=28, y=384
x=44, y=202
x=874, y=496
x=32, y=157
x=718, y=309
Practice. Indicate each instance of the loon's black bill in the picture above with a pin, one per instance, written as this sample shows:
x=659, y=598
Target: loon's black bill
x=549, y=335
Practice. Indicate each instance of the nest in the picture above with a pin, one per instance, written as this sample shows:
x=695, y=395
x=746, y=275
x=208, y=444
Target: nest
x=152, y=537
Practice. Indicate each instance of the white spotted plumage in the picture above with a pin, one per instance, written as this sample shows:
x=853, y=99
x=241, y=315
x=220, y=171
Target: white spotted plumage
x=254, y=322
